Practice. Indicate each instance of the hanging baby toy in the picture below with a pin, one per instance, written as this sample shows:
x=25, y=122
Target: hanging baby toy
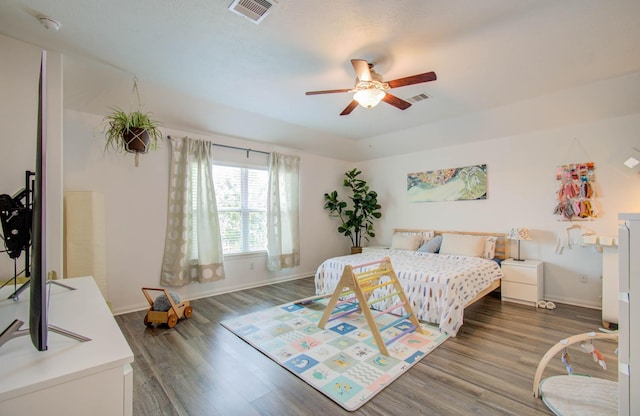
x=566, y=361
x=589, y=348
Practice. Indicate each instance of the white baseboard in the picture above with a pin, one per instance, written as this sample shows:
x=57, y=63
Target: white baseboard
x=575, y=302
x=144, y=306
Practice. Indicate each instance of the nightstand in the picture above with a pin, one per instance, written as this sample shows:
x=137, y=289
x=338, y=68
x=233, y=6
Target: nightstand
x=523, y=281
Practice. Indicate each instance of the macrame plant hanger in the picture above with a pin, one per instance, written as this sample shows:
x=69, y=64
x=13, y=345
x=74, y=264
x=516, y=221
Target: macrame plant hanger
x=137, y=140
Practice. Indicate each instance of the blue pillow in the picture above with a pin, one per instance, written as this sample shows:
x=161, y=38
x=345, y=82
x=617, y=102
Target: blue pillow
x=431, y=246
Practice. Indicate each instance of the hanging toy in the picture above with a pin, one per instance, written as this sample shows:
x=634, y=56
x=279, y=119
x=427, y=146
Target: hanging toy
x=566, y=361
x=589, y=348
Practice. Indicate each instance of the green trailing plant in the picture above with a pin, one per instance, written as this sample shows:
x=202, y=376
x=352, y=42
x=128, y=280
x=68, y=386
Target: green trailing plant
x=133, y=132
x=118, y=124
x=356, y=218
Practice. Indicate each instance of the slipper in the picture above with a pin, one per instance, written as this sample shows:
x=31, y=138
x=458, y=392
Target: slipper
x=542, y=304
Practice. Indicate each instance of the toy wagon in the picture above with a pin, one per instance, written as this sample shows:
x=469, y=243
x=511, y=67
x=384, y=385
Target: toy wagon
x=170, y=316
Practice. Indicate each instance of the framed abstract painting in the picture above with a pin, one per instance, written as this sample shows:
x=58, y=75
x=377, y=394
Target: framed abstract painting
x=455, y=184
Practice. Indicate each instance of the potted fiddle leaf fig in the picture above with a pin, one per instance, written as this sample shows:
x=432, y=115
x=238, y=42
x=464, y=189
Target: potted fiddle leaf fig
x=356, y=217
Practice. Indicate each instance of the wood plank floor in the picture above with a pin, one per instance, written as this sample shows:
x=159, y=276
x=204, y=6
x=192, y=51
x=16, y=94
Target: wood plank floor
x=200, y=368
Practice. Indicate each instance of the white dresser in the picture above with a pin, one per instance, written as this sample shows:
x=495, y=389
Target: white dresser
x=71, y=378
x=629, y=311
x=523, y=281
x=610, y=278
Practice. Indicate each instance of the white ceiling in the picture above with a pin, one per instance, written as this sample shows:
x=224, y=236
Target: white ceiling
x=219, y=72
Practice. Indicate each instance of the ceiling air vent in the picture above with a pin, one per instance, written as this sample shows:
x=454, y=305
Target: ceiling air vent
x=418, y=97
x=254, y=10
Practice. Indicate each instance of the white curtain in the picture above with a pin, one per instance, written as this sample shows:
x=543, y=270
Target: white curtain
x=193, y=248
x=283, y=230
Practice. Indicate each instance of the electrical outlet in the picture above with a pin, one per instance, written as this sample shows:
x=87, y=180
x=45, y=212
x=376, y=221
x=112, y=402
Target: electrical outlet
x=251, y=265
x=584, y=278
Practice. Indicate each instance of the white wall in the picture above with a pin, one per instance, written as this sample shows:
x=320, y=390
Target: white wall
x=521, y=172
x=521, y=192
x=19, y=72
x=136, y=206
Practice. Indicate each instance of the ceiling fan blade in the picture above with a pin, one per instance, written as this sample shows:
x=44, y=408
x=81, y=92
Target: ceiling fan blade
x=414, y=79
x=396, y=102
x=362, y=69
x=348, y=109
x=326, y=91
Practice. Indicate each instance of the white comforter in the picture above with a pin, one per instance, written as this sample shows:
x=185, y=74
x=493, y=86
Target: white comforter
x=438, y=286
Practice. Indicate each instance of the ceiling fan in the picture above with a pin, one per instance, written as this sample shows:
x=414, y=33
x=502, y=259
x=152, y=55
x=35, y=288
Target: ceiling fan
x=370, y=89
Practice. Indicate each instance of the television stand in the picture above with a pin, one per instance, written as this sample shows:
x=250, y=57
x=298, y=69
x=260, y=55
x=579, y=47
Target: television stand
x=16, y=294
x=14, y=331
x=70, y=378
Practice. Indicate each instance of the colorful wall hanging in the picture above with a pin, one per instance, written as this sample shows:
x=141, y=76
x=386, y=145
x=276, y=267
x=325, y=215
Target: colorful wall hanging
x=575, y=193
x=465, y=183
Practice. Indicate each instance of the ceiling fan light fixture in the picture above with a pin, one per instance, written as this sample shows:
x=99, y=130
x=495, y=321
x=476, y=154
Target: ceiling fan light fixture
x=369, y=98
x=370, y=88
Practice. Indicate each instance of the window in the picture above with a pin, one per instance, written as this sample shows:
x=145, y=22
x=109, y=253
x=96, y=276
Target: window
x=241, y=195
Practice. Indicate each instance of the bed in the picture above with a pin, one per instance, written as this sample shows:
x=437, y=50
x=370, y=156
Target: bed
x=441, y=272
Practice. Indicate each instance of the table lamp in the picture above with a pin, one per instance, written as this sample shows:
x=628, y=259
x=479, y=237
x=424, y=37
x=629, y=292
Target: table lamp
x=519, y=234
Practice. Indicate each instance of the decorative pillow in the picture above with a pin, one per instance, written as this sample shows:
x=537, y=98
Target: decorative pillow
x=431, y=246
x=405, y=242
x=462, y=245
x=426, y=236
x=489, y=251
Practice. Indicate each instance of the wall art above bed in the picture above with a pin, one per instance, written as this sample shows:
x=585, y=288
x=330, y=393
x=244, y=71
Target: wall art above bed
x=455, y=184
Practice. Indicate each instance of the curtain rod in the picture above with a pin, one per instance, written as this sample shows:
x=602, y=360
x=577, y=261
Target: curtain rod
x=236, y=148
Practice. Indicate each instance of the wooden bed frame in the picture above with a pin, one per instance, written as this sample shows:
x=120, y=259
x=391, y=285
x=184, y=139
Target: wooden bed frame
x=502, y=253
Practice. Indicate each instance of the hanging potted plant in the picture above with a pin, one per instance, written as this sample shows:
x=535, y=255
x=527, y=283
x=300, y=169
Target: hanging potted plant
x=133, y=132
x=356, y=219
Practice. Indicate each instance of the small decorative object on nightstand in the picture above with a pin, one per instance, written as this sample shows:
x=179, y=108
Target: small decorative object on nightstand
x=523, y=281
x=519, y=234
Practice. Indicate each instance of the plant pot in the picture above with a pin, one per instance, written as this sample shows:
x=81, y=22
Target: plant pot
x=136, y=140
x=356, y=250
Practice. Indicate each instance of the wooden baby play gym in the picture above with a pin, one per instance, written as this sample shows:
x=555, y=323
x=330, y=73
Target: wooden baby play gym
x=356, y=289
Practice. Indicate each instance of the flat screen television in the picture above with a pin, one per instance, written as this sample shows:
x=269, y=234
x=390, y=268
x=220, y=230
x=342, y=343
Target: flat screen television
x=38, y=279
x=37, y=269
x=38, y=283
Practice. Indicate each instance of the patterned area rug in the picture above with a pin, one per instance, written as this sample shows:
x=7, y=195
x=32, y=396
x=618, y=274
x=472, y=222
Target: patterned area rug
x=341, y=361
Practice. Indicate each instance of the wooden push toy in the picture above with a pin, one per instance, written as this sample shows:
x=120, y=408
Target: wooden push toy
x=170, y=316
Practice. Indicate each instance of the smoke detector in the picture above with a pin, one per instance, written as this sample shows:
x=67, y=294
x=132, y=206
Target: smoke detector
x=254, y=10
x=49, y=23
